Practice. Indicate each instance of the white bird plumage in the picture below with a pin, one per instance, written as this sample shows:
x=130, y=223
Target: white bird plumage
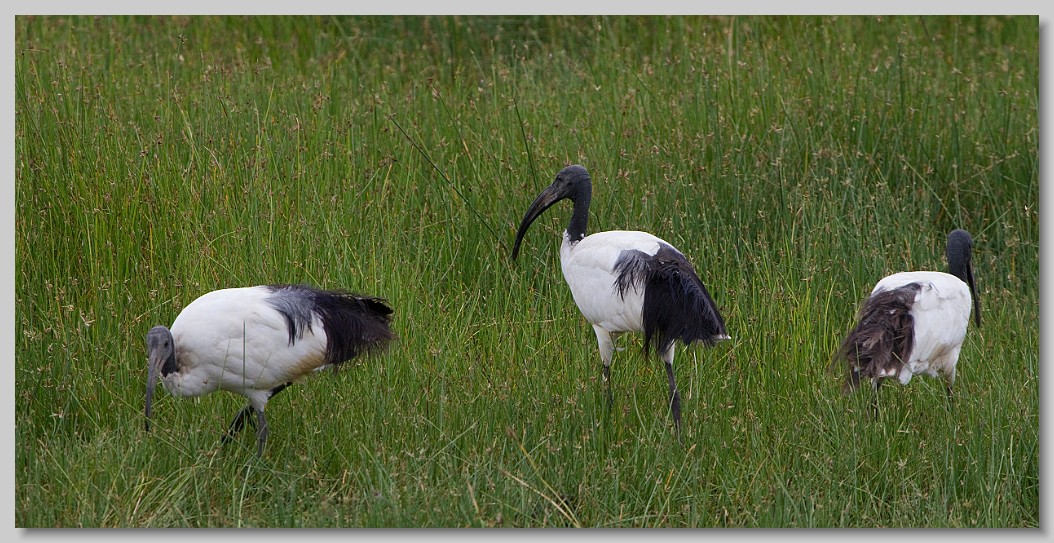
x=941, y=311
x=914, y=322
x=588, y=268
x=628, y=281
x=255, y=341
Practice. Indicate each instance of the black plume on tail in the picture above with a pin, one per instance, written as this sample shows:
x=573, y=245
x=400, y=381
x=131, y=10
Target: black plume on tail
x=353, y=323
x=883, y=338
x=676, y=304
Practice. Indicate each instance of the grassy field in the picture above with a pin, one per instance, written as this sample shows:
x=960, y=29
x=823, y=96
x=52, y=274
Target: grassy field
x=794, y=160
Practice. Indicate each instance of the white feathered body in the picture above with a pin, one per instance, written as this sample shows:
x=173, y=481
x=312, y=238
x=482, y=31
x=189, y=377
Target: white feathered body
x=942, y=313
x=589, y=268
x=232, y=339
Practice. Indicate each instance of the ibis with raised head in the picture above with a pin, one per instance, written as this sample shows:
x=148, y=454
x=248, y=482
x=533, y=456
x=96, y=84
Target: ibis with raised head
x=256, y=341
x=914, y=323
x=628, y=281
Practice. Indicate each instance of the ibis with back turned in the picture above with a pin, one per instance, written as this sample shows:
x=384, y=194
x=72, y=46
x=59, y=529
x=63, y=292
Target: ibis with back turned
x=628, y=281
x=256, y=341
x=914, y=323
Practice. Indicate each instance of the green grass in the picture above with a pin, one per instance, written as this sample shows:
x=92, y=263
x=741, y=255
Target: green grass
x=794, y=160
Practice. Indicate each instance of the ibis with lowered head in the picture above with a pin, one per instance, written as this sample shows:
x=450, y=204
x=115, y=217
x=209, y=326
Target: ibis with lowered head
x=628, y=281
x=914, y=323
x=256, y=341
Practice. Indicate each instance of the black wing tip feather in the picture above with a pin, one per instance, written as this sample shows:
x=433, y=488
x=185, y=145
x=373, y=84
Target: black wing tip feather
x=883, y=338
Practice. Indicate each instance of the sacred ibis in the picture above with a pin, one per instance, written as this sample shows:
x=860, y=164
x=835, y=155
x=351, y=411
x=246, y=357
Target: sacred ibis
x=628, y=281
x=914, y=323
x=256, y=341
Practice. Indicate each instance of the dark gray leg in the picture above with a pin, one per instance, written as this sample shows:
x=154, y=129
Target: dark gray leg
x=607, y=384
x=245, y=415
x=675, y=395
x=854, y=379
x=238, y=423
x=261, y=432
x=875, y=383
x=675, y=398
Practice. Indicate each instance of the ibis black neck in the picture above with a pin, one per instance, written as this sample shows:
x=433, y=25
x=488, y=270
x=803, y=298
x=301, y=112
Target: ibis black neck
x=960, y=253
x=576, y=229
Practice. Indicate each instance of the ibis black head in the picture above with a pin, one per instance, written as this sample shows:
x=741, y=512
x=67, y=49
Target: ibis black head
x=161, y=358
x=960, y=256
x=572, y=183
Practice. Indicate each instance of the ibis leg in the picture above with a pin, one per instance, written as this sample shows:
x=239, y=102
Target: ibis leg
x=675, y=395
x=875, y=383
x=261, y=432
x=607, y=384
x=949, y=377
x=854, y=379
x=245, y=415
x=238, y=423
x=606, y=344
